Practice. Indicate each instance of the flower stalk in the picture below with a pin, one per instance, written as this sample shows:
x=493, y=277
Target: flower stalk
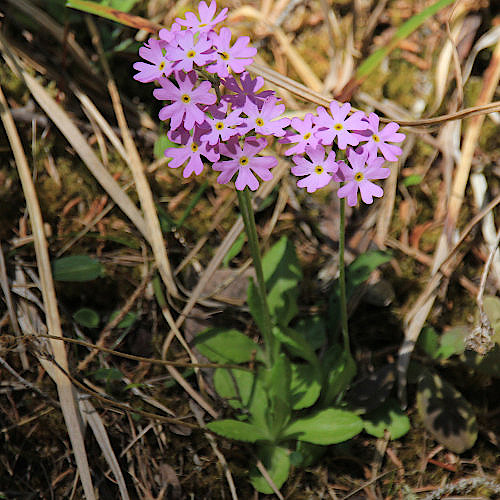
x=342, y=283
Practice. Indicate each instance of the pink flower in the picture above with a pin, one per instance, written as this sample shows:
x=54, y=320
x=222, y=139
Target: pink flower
x=206, y=22
x=185, y=100
x=245, y=163
x=236, y=57
x=339, y=126
x=190, y=152
x=364, y=168
x=319, y=171
x=188, y=52
x=247, y=91
x=170, y=35
x=378, y=140
x=304, y=138
x=154, y=52
x=263, y=120
x=221, y=125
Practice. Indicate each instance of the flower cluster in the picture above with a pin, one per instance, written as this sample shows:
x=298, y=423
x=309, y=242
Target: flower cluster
x=314, y=133
x=218, y=112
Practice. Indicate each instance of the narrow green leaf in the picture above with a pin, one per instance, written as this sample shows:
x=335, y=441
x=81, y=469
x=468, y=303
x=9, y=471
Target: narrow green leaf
x=226, y=345
x=404, y=31
x=297, y=343
x=389, y=417
x=76, y=268
x=127, y=321
x=339, y=369
x=87, y=317
x=113, y=14
x=328, y=426
x=276, y=460
x=234, y=429
x=234, y=250
x=313, y=330
x=161, y=144
x=428, y=341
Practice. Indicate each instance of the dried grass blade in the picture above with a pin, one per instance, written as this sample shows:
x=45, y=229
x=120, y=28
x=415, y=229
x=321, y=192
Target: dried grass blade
x=90, y=414
x=64, y=386
x=469, y=143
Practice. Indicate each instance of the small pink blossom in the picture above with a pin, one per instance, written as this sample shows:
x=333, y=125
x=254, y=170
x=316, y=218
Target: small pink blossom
x=318, y=172
x=221, y=125
x=377, y=141
x=337, y=125
x=364, y=168
x=154, y=52
x=245, y=163
x=190, y=152
x=190, y=52
x=305, y=137
x=247, y=91
x=206, y=22
x=263, y=120
x=236, y=57
x=185, y=99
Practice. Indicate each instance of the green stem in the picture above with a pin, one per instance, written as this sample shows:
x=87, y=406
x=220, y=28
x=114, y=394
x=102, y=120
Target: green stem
x=343, y=297
x=247, y=213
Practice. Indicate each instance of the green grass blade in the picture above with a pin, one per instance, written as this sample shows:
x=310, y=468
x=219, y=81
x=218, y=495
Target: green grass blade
x=113, y=14
x=404, y=31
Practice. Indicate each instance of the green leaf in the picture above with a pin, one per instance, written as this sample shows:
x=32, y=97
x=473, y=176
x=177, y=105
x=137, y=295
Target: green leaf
x=404, y=31
x=276, y=461
x=307, y=454
x=255, y=305
x=234, y=250
x=445, y=413
x=76, y=268
x=324, y=427
x=87, y=317
x=389, y=417
x=234, y=429
x=279, y=394
x=161, y=144
x=222, y=345
x=428, y=341
x=243, y=390
x=412, y=180
x=305, y=386
x=127, y=321
x=124, y=5
x=452, y=342
x=339, y=369
x=492, y=310
x=312, y=329
x=296, y=343
x=282, y=275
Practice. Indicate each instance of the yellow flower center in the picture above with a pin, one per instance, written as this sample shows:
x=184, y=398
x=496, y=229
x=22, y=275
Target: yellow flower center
x=319, y=169
x=243, y=161
x=191, y=54
x=219, y=125
x=194, y=147
x=307, y=136
x=359, y=177
x=161, y=66
x=338, y=126
x=203, y=25
x=259, y=122
x=185, y=98
x=375, y=138
x=224, y=55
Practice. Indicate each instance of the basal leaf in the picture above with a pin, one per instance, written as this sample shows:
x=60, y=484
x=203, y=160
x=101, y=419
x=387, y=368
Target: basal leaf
x=234, y=429
x=296, y=343
x=87, y=317
x=325, y=427
x=282, y=275
x=276, y=460
x=389, y=417
x=338, y=371
x=445, y=413
x=76, y=268
x=226, y=345
x=312, y=329
x=305, y=386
